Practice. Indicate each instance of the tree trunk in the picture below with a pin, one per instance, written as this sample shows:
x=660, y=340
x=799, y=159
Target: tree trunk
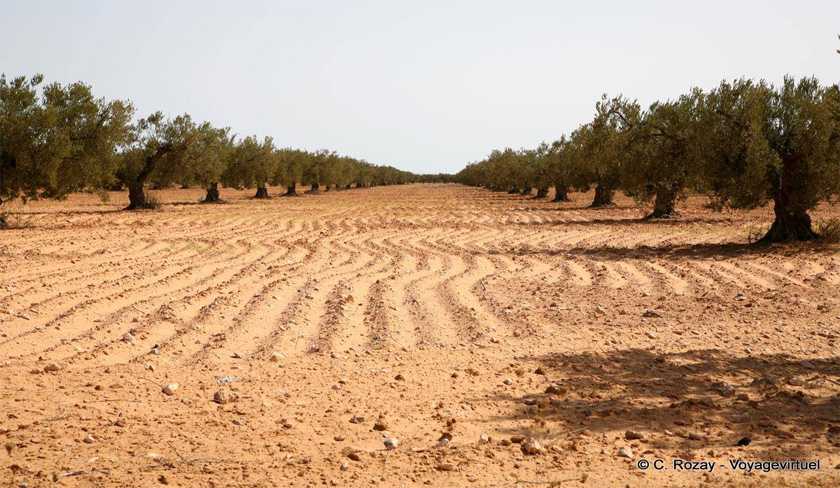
x=561, y=193
x=603, y=196
x=513, y=190
x=212, y=194
x=291, y=190
x=314, y=188
x=542, y=192
x=663, y=205
x=348, y=186
x=526, y=190
x=792, y=222
x=136, y=196
x=262, y=192
x=791, y=208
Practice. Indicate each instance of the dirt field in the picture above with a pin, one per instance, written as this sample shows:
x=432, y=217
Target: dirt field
x=325, y=324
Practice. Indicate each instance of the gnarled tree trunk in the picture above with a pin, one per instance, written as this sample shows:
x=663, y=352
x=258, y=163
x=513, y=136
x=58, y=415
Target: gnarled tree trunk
x=291, y=190
x=314, y=188
x=790, y=206
x=262, y=191
x=603, y=196
x=665, y=202
x=212, y=194
x=542, y=192
x=561, y=193
x=136, y=196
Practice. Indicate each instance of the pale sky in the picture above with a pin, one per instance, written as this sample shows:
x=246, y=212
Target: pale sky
x=426, y=86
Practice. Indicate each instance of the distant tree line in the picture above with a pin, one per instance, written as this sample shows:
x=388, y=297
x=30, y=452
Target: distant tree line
x=744, y=144
x=56, y=139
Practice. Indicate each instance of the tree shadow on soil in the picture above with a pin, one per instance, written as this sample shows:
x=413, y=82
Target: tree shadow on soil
x=707, y=399
x=675, y=251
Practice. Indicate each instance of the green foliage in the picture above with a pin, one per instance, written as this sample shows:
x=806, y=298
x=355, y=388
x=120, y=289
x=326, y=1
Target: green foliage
x=744, y=143
x=58, y=139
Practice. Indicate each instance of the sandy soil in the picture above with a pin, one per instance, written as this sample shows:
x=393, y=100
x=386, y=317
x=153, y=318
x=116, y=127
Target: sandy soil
x=418, y=310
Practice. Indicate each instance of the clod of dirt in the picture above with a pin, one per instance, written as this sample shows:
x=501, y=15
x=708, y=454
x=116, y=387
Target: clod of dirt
x=52, y=368
x=380, y=424
x=170, y=388
x=632, y=435
x=352, y=454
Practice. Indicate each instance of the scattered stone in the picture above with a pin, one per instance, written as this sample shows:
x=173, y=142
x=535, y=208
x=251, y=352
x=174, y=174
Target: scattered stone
x=222, y=397
x=88, y=439
x=445, y=467
x=399, y=377
x=52, y=368
x=631, y=435
x=227, y=379
x=344, y=466
x=517, y=439
x=740, y=297
x=357, y=419
x=531, y=447
x=743, y=442
x=651, y=314
x=483, y=438
x=625, y=452
x=508, y=381
x=444, y=439
x=128, y=338
x=693, y=436
x=171, y=388
x=555, y=389
x=155, y=350
x=650, y=334
x=539, y=371
x=724, y=389
x=276, y=357
x=338, y=438
x=530, y=401
x=391, y=443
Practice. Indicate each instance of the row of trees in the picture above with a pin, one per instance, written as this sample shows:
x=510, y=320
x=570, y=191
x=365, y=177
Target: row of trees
x=57, y=139
x=744, y=144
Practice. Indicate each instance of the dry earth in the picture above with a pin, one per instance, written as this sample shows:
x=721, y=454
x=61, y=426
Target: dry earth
x=424, y=309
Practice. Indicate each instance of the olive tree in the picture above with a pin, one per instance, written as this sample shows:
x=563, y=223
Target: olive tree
x=58, y=139
x=661, y=159
x=601, y=147
x=779, y=144
x=253, y=163
x=157, y=145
